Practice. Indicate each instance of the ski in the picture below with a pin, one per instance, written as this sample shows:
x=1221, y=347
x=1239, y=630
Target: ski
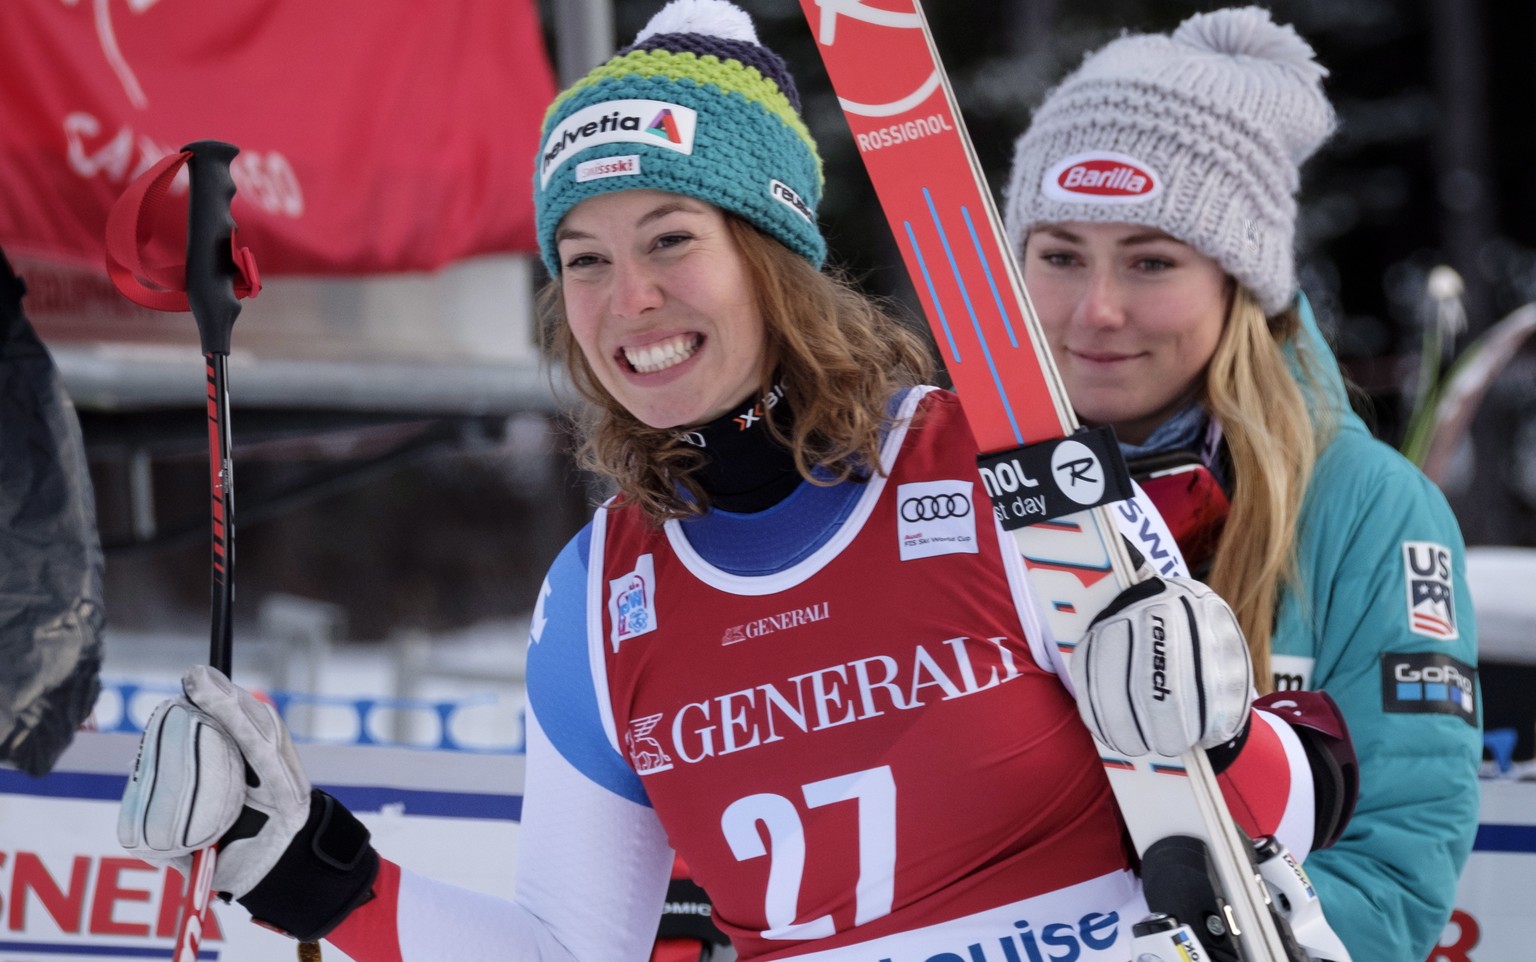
x=1198, y=867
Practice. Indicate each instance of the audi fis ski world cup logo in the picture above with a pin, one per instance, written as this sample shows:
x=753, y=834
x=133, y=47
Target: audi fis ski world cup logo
x=935, y=518
x=652, y=122
x=935, y=507
x=1101, y=177
x=1431, y=603
x=632, y=602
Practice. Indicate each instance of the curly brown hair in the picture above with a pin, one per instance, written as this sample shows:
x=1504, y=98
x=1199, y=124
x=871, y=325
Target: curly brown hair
x=839, y=355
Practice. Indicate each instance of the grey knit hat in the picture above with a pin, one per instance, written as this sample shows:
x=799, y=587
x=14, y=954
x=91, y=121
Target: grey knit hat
x=1199, y=134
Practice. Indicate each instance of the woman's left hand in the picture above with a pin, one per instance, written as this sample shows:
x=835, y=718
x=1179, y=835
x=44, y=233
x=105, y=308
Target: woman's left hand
x=1164, y=669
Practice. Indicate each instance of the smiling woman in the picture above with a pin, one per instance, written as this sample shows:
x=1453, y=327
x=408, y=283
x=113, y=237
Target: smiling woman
x=795, y=643
x=658, y=299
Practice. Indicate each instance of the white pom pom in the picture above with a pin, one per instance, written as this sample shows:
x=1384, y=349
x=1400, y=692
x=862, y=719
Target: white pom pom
x=1444, y=283
x=714, y=18
x=1248, y=32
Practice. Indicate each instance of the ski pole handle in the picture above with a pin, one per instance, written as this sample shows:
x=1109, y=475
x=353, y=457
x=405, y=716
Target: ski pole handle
x=210, y=243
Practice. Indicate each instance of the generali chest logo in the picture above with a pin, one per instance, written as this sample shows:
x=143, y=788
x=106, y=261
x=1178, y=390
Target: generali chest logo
x=1101, y=177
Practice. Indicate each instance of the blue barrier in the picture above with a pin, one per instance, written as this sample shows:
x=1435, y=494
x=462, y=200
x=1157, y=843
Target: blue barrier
x=363, y=711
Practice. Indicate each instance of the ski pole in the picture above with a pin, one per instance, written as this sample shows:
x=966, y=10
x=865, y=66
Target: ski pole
x=211, y=295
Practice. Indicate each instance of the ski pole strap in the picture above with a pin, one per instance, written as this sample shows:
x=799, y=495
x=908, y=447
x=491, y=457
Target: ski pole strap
x=155, y=285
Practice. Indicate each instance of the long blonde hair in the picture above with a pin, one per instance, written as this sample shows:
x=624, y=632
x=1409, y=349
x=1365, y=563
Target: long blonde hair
x=839, y=356
x=1273, y=441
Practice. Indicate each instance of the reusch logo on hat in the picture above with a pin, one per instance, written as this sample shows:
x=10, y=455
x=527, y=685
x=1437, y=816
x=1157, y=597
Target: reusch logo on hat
x=1101, y=177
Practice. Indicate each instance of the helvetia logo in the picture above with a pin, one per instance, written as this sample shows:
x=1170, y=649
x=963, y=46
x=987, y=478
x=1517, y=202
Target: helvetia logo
x=655, y=123
x=1101, y=177
x=665, y=127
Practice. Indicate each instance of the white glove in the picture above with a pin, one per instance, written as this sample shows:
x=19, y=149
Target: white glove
x=1164, y=669
x=217, y=764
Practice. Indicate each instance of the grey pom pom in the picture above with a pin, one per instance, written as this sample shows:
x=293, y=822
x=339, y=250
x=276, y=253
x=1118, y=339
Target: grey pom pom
x=1249, y=32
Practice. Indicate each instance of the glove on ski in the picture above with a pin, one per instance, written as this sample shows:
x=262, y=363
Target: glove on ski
x=1164, y=669
x=218, y=766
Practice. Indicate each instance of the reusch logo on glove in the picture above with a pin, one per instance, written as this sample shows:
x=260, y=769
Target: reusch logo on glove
x=1160, y=658
x=1101, y=177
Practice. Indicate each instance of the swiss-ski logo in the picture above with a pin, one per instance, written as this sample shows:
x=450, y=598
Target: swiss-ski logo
x=1101, y=177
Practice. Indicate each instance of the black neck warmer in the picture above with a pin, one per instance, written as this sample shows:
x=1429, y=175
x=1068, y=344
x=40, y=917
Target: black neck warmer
x=745, y=469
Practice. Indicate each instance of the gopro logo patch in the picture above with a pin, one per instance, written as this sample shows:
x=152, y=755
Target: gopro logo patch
x=1418, y=683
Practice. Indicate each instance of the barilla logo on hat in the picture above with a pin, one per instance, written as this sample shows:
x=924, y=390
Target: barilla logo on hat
x=1101, y=177
x=653, y=122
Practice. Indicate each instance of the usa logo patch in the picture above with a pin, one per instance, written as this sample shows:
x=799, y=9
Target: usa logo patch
x=632, y=602
x=1431, y=602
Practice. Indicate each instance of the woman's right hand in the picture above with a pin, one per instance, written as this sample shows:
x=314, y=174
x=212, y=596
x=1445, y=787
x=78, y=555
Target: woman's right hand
x=217, y=766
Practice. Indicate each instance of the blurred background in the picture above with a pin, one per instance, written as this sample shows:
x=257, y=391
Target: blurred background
x=403, y=476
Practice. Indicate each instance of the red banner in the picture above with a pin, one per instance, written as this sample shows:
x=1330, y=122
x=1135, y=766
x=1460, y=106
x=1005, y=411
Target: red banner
x=374, y=135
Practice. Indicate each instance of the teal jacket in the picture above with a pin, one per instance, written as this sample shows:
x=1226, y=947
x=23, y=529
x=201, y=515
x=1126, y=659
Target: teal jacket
x=1383, y=623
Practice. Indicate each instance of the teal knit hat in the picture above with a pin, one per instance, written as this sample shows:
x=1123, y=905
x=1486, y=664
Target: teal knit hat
x=696, y=106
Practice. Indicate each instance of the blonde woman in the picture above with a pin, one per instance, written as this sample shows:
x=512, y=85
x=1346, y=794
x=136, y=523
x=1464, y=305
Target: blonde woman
x=1152, y=199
